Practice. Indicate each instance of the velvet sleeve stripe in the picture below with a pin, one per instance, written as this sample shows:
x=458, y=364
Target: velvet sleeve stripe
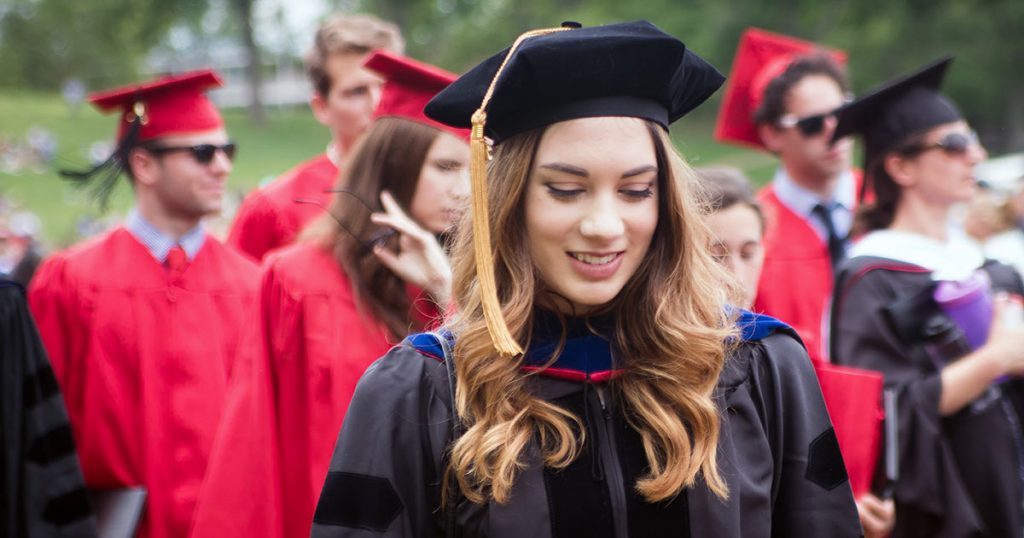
x=42, y=482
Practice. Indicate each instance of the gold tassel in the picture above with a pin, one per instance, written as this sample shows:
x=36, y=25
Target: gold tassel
x=501, y=337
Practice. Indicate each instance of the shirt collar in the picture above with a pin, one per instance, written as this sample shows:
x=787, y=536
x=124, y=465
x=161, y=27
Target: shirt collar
x=158, y=243
x=802, y=201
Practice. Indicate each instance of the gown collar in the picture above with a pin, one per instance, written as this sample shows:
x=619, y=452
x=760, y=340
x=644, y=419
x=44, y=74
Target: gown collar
x=955, y=259
x=588, y=354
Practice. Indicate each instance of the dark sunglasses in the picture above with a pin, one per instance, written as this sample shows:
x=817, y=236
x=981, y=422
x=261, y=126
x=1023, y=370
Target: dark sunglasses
x=354, y=209
x=202, y=153
x=808, y=126
x=951, y=144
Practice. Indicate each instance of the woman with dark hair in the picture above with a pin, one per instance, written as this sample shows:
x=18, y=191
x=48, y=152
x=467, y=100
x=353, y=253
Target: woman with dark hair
x=591, y=381
x=342, y=296
x=915, y=302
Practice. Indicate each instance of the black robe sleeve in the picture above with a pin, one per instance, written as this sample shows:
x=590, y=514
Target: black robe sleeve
x=43, y=491
x=778, y=451
x=386, y=467
x=930, y=495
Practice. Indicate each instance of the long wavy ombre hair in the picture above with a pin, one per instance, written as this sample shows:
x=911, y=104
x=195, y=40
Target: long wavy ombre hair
x=670, y=330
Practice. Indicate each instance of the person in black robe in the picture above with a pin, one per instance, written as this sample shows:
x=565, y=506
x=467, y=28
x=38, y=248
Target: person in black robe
x=595, y=317
x=959, y=447
x=43, y=491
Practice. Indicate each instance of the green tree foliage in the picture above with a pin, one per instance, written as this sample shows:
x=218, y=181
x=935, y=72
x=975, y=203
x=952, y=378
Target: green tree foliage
x=883, y=40
x=43, y=42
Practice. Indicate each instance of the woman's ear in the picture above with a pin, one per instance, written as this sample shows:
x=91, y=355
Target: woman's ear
x=901, y=169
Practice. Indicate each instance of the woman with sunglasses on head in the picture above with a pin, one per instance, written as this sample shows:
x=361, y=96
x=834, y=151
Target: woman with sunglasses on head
x=592, y=381
x=915, y=301
x=360, y=279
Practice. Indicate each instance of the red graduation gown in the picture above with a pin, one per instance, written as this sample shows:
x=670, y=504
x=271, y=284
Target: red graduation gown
x=270, y=218
x=796, y=287
x=143, y=359
x=796, y=282
x=288, y=399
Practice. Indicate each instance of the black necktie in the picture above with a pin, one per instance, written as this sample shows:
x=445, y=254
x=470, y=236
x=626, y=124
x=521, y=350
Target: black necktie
x=836, y=248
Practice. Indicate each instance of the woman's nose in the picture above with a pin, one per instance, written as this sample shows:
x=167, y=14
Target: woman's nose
x=602, y=222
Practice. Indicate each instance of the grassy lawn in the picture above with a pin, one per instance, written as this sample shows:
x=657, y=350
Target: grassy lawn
x=288, y=137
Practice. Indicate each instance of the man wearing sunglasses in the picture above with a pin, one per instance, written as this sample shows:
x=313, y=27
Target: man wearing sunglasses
x=344, y=97
x=142, y=323
x=782, y=99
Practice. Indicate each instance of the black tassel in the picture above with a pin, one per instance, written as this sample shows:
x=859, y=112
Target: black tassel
x=102, y=178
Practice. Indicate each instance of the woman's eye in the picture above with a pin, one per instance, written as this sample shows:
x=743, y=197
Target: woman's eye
x=448, y=166
x=750, y=252
x=563, y=192
x=639, y=194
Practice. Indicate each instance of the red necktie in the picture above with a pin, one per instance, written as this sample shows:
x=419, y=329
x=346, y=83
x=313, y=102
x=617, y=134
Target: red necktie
x=177, y=260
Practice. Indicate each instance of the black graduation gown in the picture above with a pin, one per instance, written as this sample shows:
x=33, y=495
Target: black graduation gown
x=960, y=476
x=777, y=452
x=43, y=491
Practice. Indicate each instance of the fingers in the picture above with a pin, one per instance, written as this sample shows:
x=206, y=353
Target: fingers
x=388, y=258
x=876, y=515
x=395, y=218
x=392, y=208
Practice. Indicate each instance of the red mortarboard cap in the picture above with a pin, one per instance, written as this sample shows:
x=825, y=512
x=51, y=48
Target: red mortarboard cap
x=409, y=85
x=170, y=105
x=761, y=57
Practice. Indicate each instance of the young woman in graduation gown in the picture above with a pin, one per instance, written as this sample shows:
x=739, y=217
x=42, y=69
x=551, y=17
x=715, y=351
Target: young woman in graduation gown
x=960, y=438
x=599, y=386
x=333, y=303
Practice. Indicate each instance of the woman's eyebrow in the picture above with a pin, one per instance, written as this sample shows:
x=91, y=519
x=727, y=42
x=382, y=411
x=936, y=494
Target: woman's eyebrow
x=566, y=168
x=581, y=172
x=639, y=170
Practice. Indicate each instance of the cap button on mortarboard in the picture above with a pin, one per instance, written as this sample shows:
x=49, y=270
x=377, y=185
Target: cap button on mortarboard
x=571, y=24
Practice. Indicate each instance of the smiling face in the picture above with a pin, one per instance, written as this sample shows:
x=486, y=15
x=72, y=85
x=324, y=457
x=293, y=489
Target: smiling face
x=591, y=207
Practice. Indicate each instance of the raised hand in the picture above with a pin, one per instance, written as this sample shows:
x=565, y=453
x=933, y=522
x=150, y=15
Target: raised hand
x=420, y=260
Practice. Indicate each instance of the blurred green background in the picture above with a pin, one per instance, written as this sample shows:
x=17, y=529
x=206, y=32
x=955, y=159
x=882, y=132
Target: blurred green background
x=44, y=44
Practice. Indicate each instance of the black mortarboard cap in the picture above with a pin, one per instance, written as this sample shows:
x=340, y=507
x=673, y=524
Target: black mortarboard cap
x=897, y=109
x=628, y=69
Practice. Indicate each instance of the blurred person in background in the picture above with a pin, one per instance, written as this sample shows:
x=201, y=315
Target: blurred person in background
x=915, y=302
x=990, y=220
x=344, y=96
x=334, y=302
x=737, y=228
x=781, y=98
x=142, y=322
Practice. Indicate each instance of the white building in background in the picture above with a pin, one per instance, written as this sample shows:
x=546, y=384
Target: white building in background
x=284, y=81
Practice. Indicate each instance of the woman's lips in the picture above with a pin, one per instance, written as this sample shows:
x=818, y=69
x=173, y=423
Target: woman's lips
x=595, y=265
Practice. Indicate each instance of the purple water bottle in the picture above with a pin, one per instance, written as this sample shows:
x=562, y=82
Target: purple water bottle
x=968, y=303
